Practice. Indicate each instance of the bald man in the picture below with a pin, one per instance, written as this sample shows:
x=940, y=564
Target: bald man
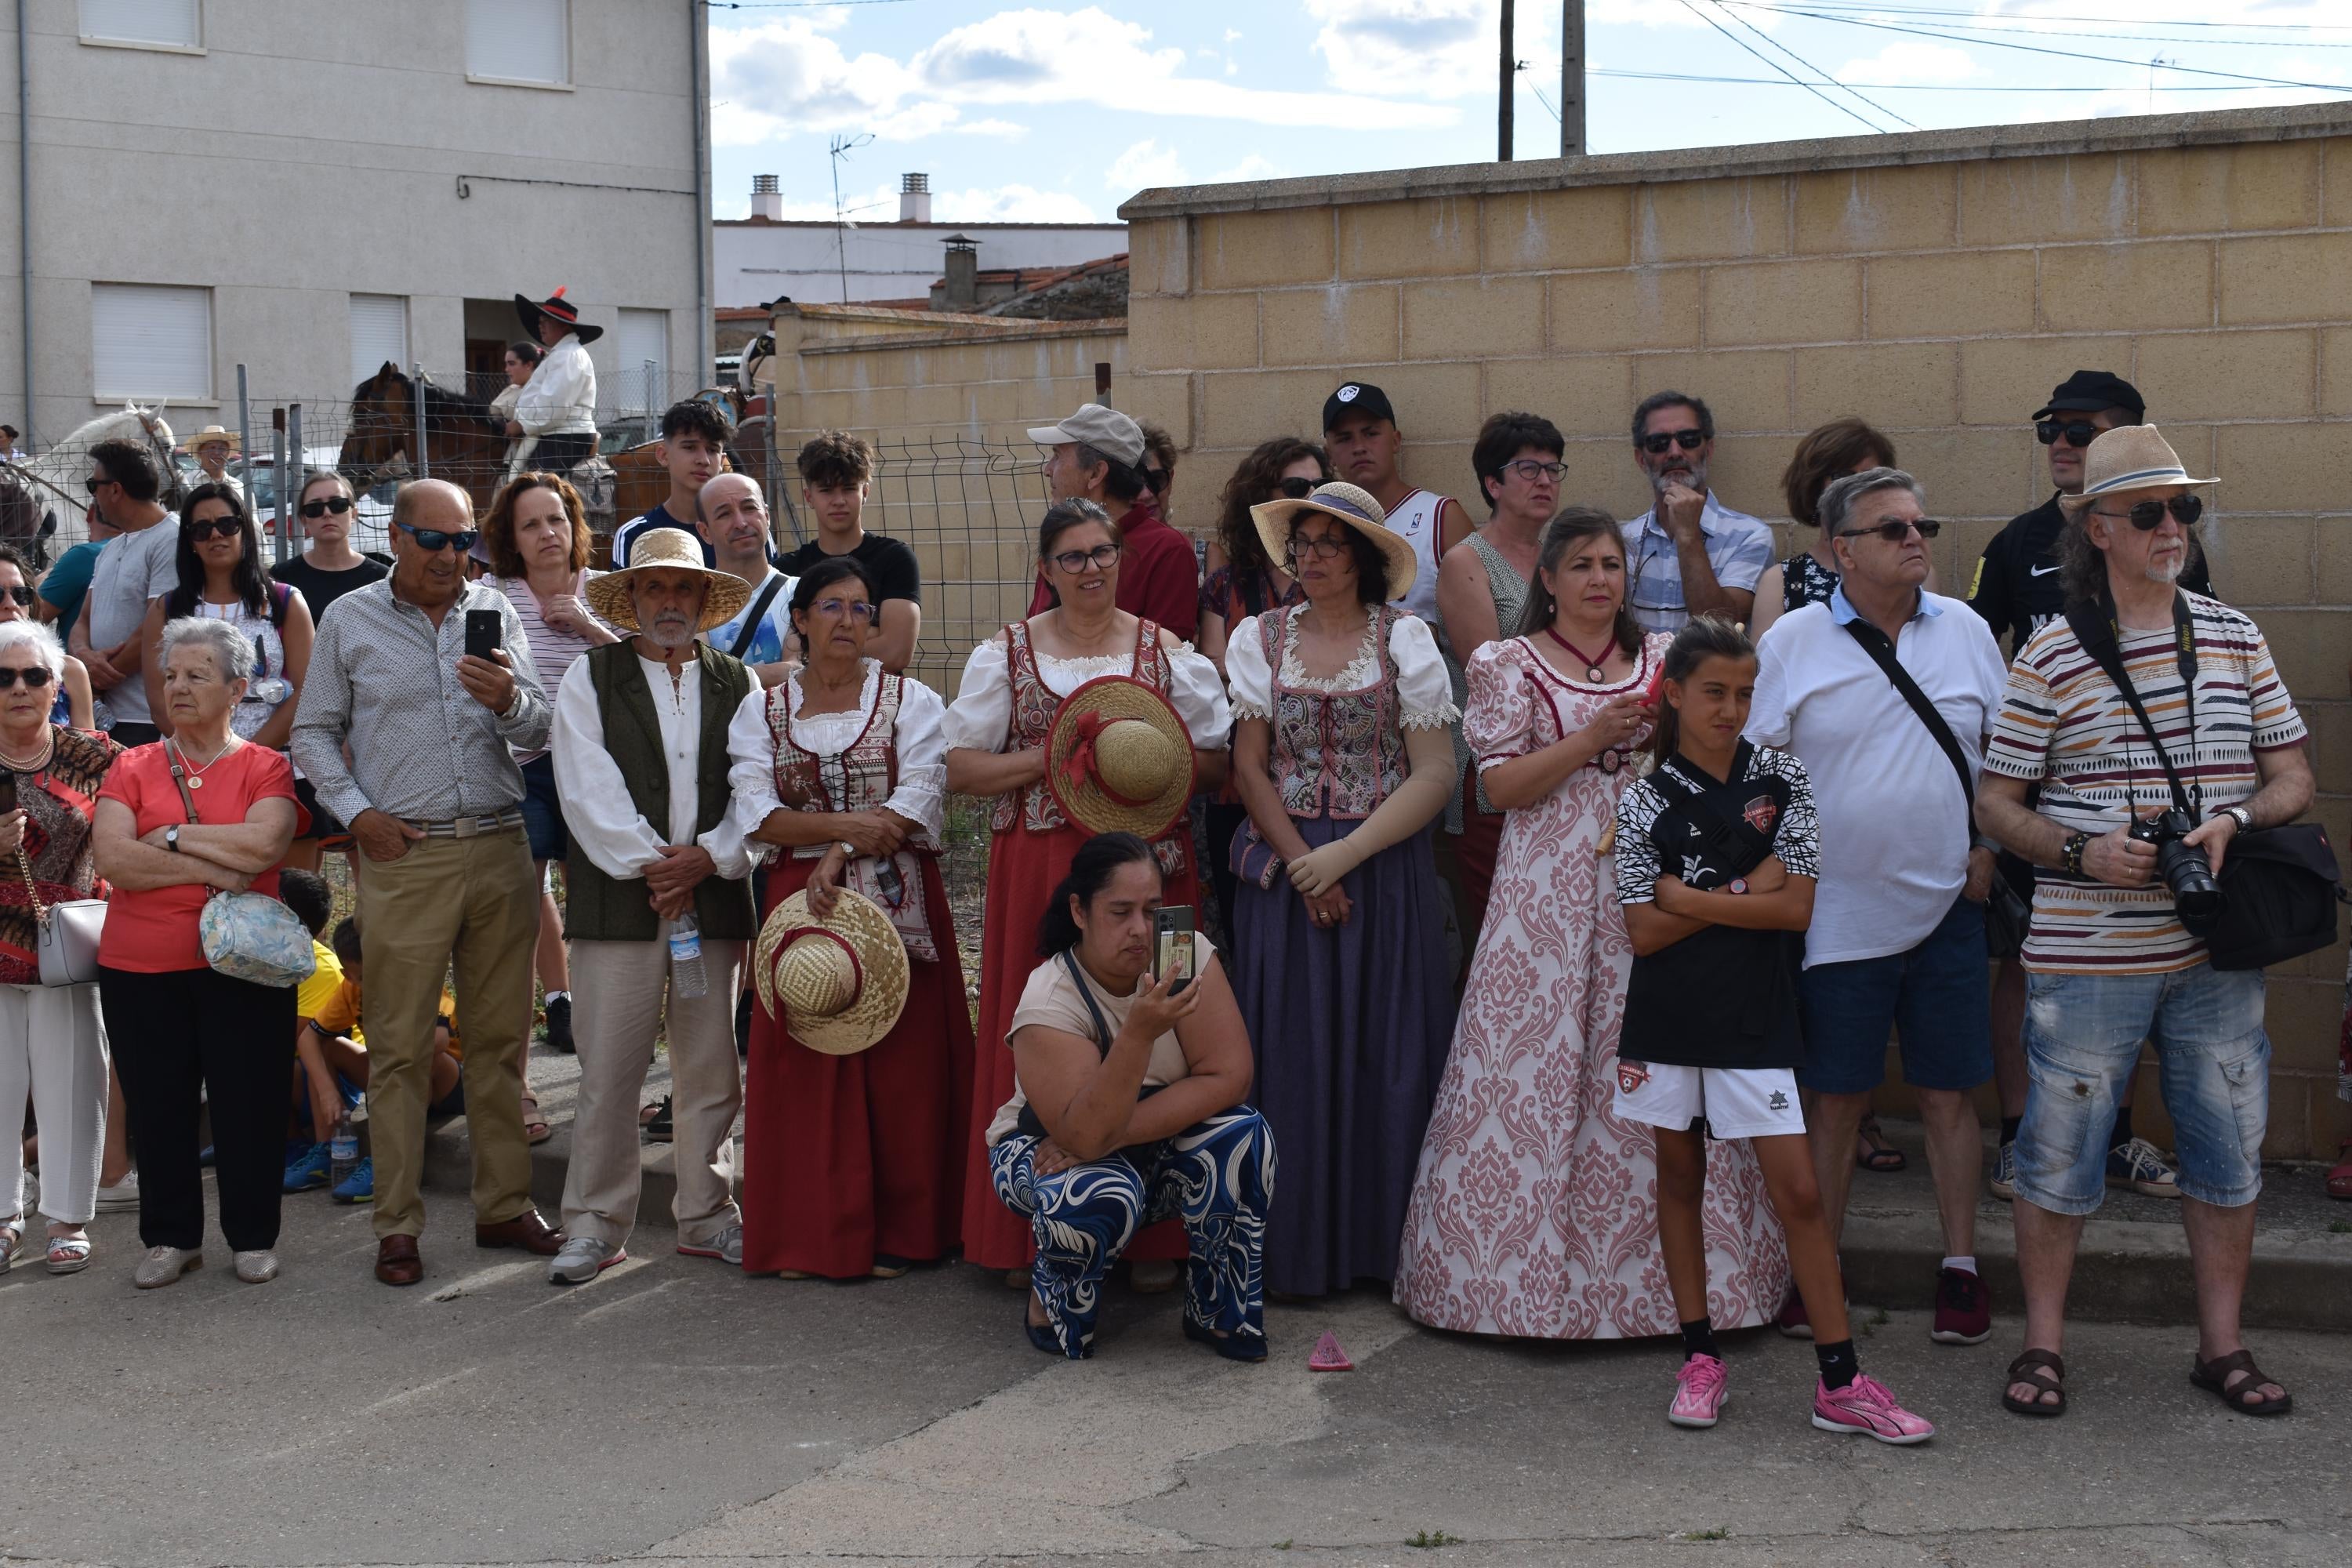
x=734, y=524
x=431, y=795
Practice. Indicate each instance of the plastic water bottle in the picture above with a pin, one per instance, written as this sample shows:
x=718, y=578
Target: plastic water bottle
x=686, y=975
x=342, y=1151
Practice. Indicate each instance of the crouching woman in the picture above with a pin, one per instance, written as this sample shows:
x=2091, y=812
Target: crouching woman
x=1127, y=1110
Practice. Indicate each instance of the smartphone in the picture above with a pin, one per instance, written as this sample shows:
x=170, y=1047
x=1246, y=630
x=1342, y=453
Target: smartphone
x=485, y=634
x=1657, y=687
x=1172, y=944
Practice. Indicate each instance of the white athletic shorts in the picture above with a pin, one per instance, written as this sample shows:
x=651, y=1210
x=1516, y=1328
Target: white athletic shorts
x=1736, y=1102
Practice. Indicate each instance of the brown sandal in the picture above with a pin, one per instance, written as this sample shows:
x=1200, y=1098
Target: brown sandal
x=2213, y=1376
x=2046, y=1370
x=534, y=1130
x=1873, y=1152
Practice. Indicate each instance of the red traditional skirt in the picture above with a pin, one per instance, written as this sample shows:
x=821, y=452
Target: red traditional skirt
x=1024, y=869
x=845, y=1157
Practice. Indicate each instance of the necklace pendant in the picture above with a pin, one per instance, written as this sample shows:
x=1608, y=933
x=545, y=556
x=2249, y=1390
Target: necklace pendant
x=196, y=783
x=1593, y=674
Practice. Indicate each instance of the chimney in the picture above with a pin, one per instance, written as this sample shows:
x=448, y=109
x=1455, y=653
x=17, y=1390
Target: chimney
x=914, y=198
x=963, y=273
x=767, y=201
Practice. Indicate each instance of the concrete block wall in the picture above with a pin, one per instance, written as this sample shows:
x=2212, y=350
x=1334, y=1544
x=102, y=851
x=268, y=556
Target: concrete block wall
x=1937, y=285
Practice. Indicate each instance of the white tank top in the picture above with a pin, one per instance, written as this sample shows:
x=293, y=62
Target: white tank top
x=1416, y=517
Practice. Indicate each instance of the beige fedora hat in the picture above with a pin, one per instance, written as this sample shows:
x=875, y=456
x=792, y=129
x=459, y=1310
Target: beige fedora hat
x=669, y=550
x=836, y=986
x=2127, y=458
x=1354, y=506
x=1118, y=758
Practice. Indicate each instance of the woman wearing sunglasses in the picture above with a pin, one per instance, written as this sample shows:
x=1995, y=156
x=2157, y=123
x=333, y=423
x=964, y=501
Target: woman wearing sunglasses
x=328, y=567
x=221, y=579
x=71, y=701
x=853, y=1166
x=1013, y=685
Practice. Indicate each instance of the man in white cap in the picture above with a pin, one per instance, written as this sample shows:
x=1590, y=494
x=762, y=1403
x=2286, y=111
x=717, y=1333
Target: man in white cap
x=655, y=873
x=2109, y=960
x=1097, y=455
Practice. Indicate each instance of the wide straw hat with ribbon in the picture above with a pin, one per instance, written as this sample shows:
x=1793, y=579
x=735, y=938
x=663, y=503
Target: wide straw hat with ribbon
x=1354, y=506
x=1119, y=760
x=212, y=436
x=836, y=986
x=559, y=308
x=668, y=550
x=2127, y=458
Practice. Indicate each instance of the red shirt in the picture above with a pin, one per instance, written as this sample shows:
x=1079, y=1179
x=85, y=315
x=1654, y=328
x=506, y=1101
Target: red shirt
x=154, y=932
x=1159, y=576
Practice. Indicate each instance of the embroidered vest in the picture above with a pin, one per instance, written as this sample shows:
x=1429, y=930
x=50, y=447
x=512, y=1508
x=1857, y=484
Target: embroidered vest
x=1336, y=753
x=859, y=779
x=598, y=908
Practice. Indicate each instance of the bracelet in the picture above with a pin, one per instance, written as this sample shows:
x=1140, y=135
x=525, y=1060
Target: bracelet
x=2072, y=854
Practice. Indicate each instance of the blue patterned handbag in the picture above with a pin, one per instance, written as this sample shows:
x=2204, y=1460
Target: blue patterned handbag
x=247, y=936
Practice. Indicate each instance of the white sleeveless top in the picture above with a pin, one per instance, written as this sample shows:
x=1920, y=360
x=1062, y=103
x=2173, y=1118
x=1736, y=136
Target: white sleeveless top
x=1416, y=517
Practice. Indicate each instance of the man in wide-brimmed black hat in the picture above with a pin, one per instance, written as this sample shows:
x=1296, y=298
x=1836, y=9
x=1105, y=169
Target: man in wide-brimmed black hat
x=557, y=405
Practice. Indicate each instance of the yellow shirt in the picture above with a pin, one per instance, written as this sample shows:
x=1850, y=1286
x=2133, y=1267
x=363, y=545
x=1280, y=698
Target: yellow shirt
x=326, y=979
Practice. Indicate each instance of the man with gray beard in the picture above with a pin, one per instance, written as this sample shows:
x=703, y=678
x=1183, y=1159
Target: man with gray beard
x=658, y=900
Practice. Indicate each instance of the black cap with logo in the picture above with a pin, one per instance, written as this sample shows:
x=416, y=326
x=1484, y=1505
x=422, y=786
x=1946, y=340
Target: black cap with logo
x=1357, y=400
x=2093, y=391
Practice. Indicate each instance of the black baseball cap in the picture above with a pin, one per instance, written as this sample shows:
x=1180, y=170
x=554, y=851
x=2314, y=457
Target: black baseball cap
x=1360, y=398
x=2091, y=391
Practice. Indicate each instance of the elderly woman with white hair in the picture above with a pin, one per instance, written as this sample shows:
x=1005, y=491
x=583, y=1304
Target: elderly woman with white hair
x=199, y=811
x=51, y=1043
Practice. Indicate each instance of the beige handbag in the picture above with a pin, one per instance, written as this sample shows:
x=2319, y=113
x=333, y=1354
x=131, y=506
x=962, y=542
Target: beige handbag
x=68, y=933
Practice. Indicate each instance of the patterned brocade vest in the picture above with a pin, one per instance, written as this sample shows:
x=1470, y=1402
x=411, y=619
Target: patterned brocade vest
x=1032, y=808
x=1336, y=753
x=860, y=779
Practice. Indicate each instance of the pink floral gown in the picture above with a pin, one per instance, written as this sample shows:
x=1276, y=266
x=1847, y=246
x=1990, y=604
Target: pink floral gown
x=1534, y=1209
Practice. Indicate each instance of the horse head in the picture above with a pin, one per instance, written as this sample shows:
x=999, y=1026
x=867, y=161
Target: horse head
x=377, y=441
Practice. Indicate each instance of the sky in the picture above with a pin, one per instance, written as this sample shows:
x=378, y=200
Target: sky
x=1055, y=111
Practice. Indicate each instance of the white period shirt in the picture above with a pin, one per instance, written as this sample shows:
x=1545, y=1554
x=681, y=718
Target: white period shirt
x=597, y=806
x=981, y=718
x=920, y=795
x=559, y=398
x=1895, y=826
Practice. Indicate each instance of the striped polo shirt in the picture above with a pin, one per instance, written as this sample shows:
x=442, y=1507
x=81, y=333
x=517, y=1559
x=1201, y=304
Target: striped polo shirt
x=2064, y=724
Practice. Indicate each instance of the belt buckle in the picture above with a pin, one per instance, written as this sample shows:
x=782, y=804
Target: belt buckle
x=466, y=827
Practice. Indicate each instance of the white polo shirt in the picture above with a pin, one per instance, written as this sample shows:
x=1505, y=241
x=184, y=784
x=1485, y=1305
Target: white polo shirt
x=1738, y=546
x=1895, y=823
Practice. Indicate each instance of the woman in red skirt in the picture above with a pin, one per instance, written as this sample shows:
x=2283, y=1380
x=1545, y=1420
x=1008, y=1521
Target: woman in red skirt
x=854, y=1165
x=1012, y=686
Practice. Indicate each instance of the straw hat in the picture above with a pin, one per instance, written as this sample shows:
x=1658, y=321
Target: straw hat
x=670, y=550
x=2127, y=458
x=1354, y=506
x=209, y=434
x=836, y=986
x=1119, y=760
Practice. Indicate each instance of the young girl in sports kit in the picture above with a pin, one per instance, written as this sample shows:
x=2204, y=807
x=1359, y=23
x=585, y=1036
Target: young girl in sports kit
x=1717, y=852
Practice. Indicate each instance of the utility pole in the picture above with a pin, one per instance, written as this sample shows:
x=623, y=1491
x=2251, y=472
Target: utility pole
x=1510, y=70
x=1572, y=78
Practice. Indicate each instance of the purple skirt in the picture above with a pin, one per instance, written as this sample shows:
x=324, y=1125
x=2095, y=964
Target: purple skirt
x=1350, y=1028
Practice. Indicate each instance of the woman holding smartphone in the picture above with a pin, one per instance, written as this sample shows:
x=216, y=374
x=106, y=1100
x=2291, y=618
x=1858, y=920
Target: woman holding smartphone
x=1717, y=853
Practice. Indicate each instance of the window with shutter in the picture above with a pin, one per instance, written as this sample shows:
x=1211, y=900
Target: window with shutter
x=642, y=349
x=149, y=342
x=379, y=333
x=171, y=23
x=519, y=40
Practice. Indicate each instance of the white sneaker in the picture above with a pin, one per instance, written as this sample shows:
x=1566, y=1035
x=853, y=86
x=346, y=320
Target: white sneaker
x=163, y=1265
x=727, y=1247
x=256, y=1268
x=580, y=1259
x=121, y=1199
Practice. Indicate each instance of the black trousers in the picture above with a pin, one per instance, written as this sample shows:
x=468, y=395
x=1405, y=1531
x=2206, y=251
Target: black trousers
x=130, y=735
x=557, y=454
x=173, y=1034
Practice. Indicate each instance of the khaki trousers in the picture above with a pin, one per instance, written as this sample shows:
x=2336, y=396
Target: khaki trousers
x=473, y=900
x=617, y=990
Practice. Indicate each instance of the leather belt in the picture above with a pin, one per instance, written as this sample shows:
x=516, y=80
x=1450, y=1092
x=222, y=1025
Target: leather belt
x=471, y=826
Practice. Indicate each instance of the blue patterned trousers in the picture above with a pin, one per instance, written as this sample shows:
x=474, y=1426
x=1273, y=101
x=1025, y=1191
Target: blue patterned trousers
x=1216, y=1175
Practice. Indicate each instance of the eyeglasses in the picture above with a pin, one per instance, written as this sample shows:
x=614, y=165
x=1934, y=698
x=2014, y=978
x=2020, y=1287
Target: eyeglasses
x=1327, y=547
x=2078, y=432
x=318, y=509
x=1077, y=561
x=212, y=528
x=33, y=678
x=22, y=594
x=1659, y=440
x=1532, y=470
x=1895, y=532
x=857, y=609
x=433, y=540
x=2147, y=514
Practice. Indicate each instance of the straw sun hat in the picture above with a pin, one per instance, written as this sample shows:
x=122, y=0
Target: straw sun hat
x=836, y=986
x=212, y=435
x=673, y=549
x=1354, y=506
x=1119, y=760
x=2127, y=458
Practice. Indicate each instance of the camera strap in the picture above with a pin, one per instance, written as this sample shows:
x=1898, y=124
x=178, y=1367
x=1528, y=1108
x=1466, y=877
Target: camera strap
x=2101, y=634
x=1873, y=642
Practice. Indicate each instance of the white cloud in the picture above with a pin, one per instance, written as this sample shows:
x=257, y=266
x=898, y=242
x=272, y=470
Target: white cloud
x=1254, y=167
x=1004, y=127
x=1145, y=164
x=1914, y=60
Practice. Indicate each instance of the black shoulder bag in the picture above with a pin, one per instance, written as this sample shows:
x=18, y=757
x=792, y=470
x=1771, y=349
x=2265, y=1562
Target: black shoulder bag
x=1030, y=1124
x=2007, y=916
x=2280, y=886
x=757, y=612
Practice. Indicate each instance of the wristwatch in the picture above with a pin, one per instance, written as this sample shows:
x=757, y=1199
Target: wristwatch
x=2072, y=854
x=2239, y=815
x=171, y=839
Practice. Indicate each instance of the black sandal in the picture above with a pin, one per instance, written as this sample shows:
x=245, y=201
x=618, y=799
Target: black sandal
x=2213, y=1376
x=1876, y=1153
x=2046, y=1370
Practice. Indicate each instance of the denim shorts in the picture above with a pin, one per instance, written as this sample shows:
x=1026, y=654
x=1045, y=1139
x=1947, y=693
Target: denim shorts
x=2082, y=1034
x=1936, y=998
x=542, y=813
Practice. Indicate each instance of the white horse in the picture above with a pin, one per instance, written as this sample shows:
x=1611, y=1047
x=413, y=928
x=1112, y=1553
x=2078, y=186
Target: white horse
x=56, y=475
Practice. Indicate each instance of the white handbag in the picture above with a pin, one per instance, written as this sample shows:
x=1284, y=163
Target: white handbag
x=69, y=933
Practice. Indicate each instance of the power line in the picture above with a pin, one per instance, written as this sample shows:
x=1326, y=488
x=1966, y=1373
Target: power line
x=1776, y=65
x=2037, y=17
x=1887, y=86
x=1811, y=9
x=1811, y=67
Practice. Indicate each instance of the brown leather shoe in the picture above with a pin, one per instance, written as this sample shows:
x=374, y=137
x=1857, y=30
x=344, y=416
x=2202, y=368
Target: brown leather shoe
x=527, y=1230
x=396, y=1262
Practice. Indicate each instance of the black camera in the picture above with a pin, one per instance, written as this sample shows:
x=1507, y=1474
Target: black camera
x=2187, y=869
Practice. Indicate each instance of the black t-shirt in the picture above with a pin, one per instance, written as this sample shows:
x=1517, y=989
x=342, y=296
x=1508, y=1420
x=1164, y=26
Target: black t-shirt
x=2016, y=589
x=887, y=561
x=320, y=589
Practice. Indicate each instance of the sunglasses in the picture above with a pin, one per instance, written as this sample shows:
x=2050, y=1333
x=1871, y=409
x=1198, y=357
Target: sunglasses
x=318, y=509
x=33, y=678
x=1659, y=440
x=2146, y=515
x=1298, y=488
x=212, y=528
x=95, y=485
x=857, y=609
x=1895, y=532
x=2078, y=432
x=433, y=540
x=22, y=594
x=1076, y=560
x=1530, y=470
x=1156, y=480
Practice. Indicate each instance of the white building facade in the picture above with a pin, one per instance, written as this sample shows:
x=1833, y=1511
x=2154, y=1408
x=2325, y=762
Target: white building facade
x=311, y=188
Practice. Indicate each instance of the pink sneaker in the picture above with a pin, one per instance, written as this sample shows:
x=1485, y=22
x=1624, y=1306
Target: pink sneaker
x=1699, y=1392
x=1864, y=1406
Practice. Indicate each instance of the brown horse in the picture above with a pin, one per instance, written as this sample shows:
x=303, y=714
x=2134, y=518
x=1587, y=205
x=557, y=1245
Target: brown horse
x=462, y=442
